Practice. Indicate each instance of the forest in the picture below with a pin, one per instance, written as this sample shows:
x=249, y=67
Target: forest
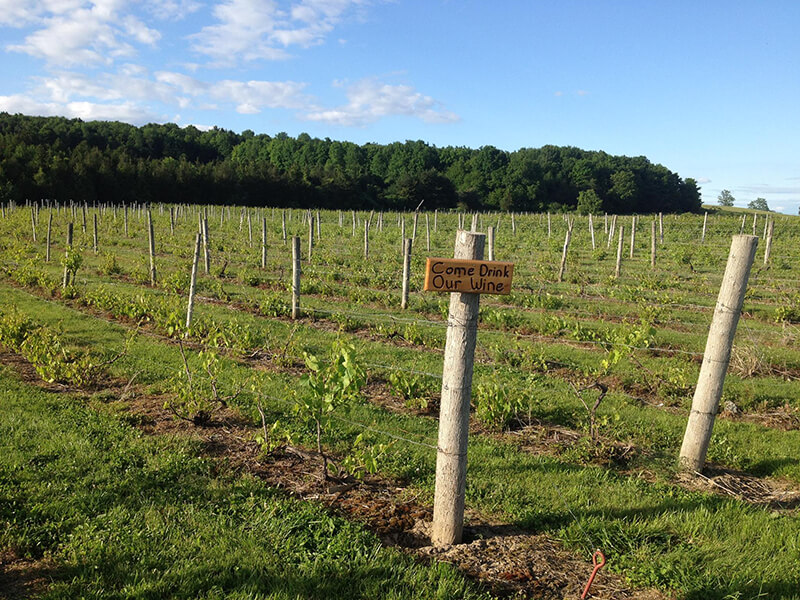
x=98, y=161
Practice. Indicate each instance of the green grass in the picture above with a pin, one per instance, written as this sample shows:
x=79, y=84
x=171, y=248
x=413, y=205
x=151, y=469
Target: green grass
x=126, y=516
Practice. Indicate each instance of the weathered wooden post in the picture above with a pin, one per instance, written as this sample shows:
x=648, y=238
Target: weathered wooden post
x=768, y=243
x=94, y=237
x=755, y=220
x=619, y=251
x=407, y=245
x=295, y=277
x=366, y=240
x=513, y=225
x=414, y=228
x=718, y=353
x=744, y=219
x=49, y=231
x=152, y=247
x=549, y=230
x=705, y=224
x=633, y=234
x=459, y=356
x=206, y=243
x=65, y=282
x=310, y=236
x=653, y=244
x=125, y=213
x=427, y=233
x=474, y=222
x=249, y=230
x=193, y=282
x=33, y=223
x=283, y=225
x=172, y=221
x=611, y=230
x=563, y=265
x=490, y=241
x=591, y=231
x=263, y=242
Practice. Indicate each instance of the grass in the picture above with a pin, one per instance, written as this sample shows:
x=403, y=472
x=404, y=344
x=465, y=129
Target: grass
x=127, y=516
x=655, y=532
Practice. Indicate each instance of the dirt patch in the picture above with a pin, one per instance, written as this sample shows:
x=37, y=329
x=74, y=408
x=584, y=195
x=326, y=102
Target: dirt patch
x=22, y=577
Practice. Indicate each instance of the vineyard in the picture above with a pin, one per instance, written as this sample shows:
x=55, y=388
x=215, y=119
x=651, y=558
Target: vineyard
x=280, y=445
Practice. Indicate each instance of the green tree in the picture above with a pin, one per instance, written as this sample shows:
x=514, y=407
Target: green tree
x=758, y=204
x=725, y=198
x=589, y=203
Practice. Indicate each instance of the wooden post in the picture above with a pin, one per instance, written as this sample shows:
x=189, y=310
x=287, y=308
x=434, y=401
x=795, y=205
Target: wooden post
x=705, y=224
x=563, y=265
x=49, y=231
x=402, y=236
x=295, y=277
x=549, y=230
x=310, y=236
x=283, y=225
x=125, y=213
x=414, y=228
x=459, y=357
x=94, y=215
x=249, y=230
x=513, y=225
x=263, y=242
x=33, y=223
x=653, y=244
x=744, y=219
x=619, y=250
x=633, y=235
x=193, y=281
x=407, y=244
x=591, y=231
x=436, y=220
x=427, y=233
x=611, y=230
x=490, y=241
x=474, y=222
x=718, y=352
x=319, y=228
x=768, y=243
x=755, y=220
x=152, y=246
x=366, y=240
x=65, y=282
x=206, y=242
x=172, y=220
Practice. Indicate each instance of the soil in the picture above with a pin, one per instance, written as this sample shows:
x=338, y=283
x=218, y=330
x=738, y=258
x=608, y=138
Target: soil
x=22, y=577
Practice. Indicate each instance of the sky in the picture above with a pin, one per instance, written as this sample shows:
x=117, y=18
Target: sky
x=710, y=89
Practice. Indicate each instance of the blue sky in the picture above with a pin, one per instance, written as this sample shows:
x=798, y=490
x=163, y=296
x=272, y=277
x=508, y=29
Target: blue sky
x=709, y=89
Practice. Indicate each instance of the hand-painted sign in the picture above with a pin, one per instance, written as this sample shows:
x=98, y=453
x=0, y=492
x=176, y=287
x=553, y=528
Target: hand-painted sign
x=469, y=276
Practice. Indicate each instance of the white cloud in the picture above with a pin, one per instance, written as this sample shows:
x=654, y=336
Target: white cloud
x=172, y=10
x=703, y=180
x=370, y=100
x=72, y=32
x=125, y=111
x=261, y=29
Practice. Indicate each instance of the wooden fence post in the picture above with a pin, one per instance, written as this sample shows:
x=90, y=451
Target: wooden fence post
x=768, y=243
x=65, y=282
x=152, y=247
x=591, y=231
x=295, y=277
x=619, y=250
x=193, y=281
x=206, y=242
x=563, y=265
x=718, y=353
x=407, y=245
x=263, y=242
x=94, y=237
x=633, y=234
x=705, y=224
x=653, y=244
x=366, y=240
x=49, y=231
x=490, y=241
x=459, y=357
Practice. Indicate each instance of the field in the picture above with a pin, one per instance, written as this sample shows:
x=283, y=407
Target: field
x=141, y=458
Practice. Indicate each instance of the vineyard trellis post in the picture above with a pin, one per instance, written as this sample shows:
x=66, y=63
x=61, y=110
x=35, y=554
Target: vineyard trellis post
x=653, y=244
x=152, y=247
x=94, y=233
x=49, y=232
x=619, y=250
x=193, y=281
x=263, y=242
x=705, y=224
x=490, y=241
x=563, y=265
x=717, y=353
x=459, y=357
x=407, y=245
x=366, y=240
x=768, y=241
x=295, y=277
x=65, y=282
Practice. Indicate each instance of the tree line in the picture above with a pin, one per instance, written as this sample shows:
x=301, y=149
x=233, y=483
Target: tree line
x=100, y=161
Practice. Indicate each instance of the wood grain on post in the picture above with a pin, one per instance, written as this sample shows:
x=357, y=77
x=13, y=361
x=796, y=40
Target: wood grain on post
x=193, y=282
x=152, y=247
x=295, y=277
x=619, y=250
x=65, y=282
x=768, y=244
x=263, y=242
x=718, y=353
x=407, y=244
x=653, y=244
x=49, y=232
x=459, y=357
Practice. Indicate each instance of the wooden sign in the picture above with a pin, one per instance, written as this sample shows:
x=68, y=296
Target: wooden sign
x=469, y=276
